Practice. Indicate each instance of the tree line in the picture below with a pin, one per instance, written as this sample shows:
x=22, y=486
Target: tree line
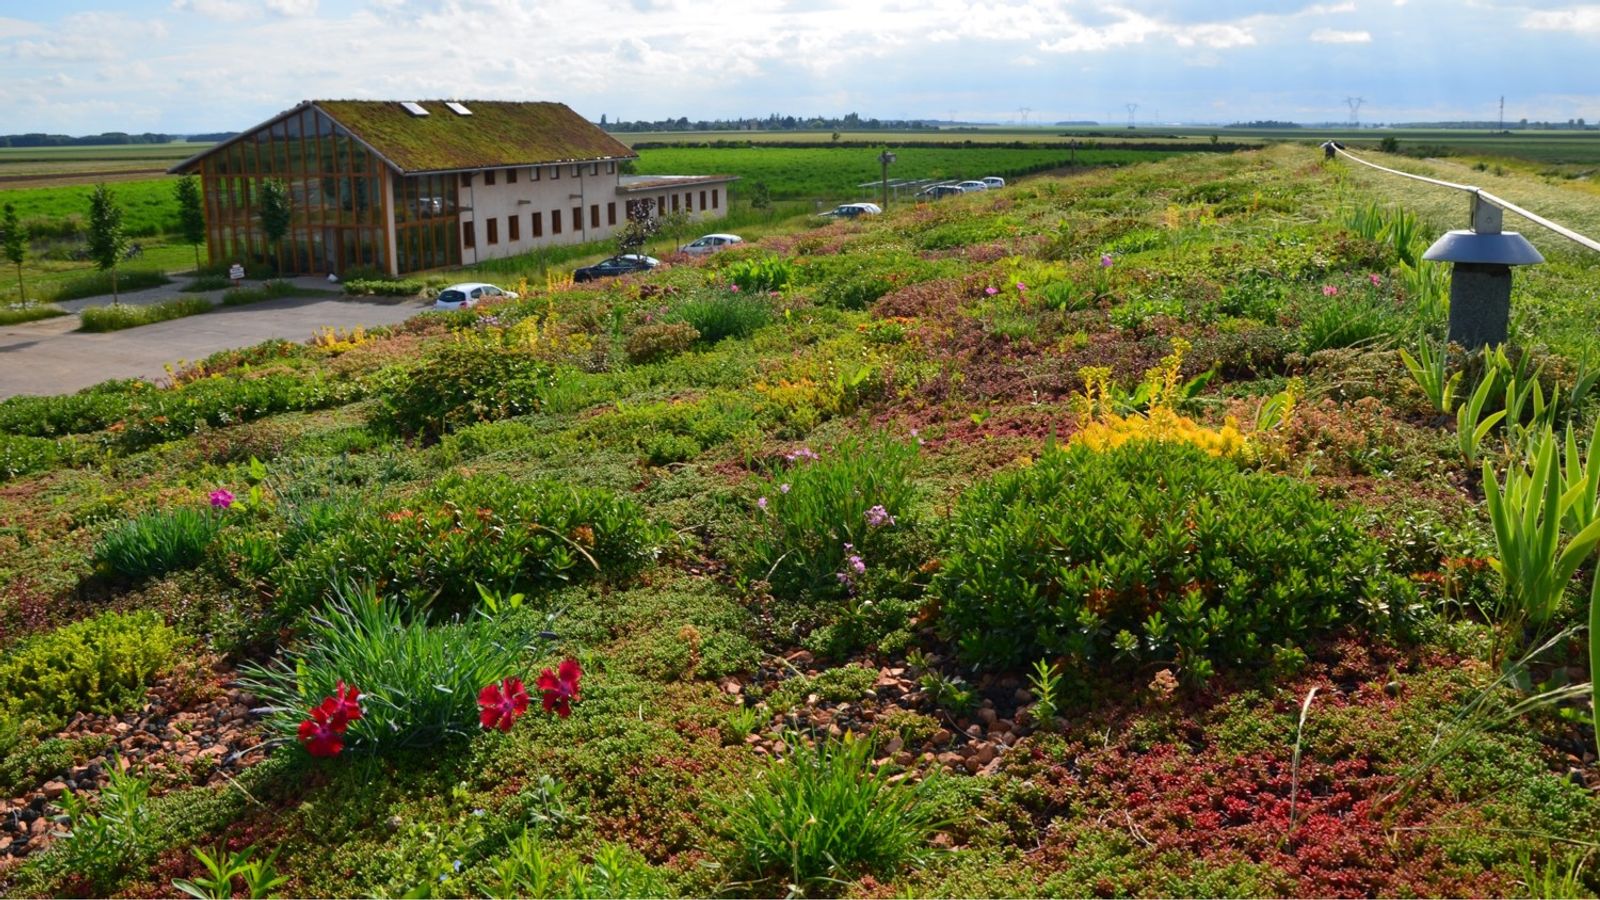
x=773, y=122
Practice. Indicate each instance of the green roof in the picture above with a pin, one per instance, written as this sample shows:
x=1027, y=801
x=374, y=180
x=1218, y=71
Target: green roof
x=498, y=133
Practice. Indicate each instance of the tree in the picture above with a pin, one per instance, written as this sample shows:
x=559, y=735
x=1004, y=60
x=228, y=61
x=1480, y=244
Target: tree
x=675, y=224
x=14, y=240
x=191, y=218
x=275, y=212
x=632, y=236
x=107, y=239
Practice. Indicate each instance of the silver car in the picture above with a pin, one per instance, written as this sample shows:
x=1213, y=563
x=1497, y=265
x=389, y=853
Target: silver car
x=711, y=243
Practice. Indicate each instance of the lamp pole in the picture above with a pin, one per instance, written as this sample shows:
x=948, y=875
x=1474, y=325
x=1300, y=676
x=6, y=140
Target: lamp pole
x=884, y=159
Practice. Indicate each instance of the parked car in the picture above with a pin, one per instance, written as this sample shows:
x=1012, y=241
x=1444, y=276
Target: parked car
x=994, y=181
x=467, y=294
x=711, y=243
x=613, y=266
x=970, y=186
x=851, y=210
x=936, y=191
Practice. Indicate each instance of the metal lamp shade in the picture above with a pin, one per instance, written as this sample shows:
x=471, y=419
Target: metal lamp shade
x=1505, y=248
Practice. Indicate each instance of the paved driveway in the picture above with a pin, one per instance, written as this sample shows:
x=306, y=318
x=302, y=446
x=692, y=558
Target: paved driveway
x=50, y=357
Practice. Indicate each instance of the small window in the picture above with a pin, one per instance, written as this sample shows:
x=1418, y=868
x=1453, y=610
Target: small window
x=702, y=201
x=555, y=221
x=536, y=220
x=713, y=198
x=514, y=227
x=466, y=179
x=555, y=172
x=577, y=218
x=493, y=228
x=577, y=171
x=594, y=168
x=594, y=215
x=533, y=173
x=674, y=202
x=467, y=238
x=611, y=168
x=477, y=293
x=488, y=177
x=511, y=176
x=611, y=214
x=688, y=201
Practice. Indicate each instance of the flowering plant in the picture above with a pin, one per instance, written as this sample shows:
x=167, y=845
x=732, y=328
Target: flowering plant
x=323, y=733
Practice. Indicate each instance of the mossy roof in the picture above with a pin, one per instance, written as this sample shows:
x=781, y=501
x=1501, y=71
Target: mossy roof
x=498, y=134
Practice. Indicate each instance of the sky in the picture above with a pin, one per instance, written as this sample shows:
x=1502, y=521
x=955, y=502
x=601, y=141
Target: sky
x=188, y=66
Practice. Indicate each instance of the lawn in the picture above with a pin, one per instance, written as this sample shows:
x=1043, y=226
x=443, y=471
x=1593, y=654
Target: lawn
x=1089, y=537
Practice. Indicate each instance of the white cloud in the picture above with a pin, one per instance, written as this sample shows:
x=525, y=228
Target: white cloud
x=1579, y=19
x=220, y=10
x=1334, y=36
x=293, y=7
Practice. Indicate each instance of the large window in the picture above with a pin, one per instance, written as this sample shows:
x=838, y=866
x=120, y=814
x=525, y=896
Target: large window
x=335, y=190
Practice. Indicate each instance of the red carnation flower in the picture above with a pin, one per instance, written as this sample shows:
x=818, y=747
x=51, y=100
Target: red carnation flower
x=560, y=688
x=348, y=700
x=323, y=733
x=500, y=704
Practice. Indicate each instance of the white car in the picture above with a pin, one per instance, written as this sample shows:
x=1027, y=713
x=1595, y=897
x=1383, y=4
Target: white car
x=711, y=243
x=970, y=186
x=994, y=181
x=467, y=294
x=851, y=210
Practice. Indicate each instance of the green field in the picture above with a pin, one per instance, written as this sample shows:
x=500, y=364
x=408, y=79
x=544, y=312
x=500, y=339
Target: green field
x=149, y=207
x=826, y=172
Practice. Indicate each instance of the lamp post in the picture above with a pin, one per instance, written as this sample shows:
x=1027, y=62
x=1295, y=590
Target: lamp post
x=884, y=159
x=1480, y=280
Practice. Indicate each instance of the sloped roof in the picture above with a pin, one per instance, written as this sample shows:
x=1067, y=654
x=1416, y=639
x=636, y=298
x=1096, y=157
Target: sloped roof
x=498, y=134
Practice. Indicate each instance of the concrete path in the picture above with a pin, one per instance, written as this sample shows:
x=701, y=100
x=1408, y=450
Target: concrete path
x=51, y=357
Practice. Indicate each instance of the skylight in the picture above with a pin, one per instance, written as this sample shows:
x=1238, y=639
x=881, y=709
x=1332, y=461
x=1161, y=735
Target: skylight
x=458, y=108
x=414, y=108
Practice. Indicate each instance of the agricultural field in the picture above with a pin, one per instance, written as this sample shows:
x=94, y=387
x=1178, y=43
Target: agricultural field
x=1127, y=532
x=54, y=166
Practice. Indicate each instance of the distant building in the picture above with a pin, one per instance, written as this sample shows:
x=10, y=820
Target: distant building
x=404, y=187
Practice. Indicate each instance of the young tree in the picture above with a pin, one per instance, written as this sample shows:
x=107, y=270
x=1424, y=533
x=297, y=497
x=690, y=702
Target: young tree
x=14, y=240
x=191, y=218
x=275, y=212
x=632, y=236
x=675, y=225
x=107, y=240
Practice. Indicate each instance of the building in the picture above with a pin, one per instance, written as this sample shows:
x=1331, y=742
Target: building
x=409, y=186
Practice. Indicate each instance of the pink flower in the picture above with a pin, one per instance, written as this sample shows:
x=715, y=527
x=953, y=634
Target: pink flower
x=761, y=504
x=734, y=288
x=560, y=688
x=877, y=517
x=1375, y=279
x=991, y=291
x=1105, y=260
x=221, y=498
x=1021, y=286
x=1329, y=290
x=805, y=453
x=499, y=705
x=783, y=488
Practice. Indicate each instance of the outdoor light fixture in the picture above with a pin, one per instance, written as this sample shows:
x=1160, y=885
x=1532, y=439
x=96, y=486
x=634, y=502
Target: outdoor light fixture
x=885, y=158
x=1480, y=280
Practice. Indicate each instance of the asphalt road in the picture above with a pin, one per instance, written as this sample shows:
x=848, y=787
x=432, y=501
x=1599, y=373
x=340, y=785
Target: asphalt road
x=50, y=357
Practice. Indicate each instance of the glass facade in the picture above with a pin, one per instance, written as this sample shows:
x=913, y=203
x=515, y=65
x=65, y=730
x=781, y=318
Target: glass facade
x=425, y=222
x=335, y=194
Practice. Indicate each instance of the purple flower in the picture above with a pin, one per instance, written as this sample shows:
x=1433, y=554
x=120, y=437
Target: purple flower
x=859, y=567
x=805, y=453
x=1021, y=286
x=221, y=498
x=877, y=517
x=1105, y=260
x=783, y=488
x=991, y=291
x=761, y=504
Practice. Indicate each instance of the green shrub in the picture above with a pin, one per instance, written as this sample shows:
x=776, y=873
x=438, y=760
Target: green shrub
x=101, y=665
x=813, y=509
x=659, y=341
x=26, y=760
x=509, y=536
x=823, y=817
x=20, y=455
x=760, y=275
x=458, y=383
x=673, y=431
x=617, y=871
x=98, y=284
x=90, y=409
x=419, y=682
x=121, y=315
x=723, y=314
x=158, y=542
x=110, y=835
x=163, y=415
x=276, y=287
x=383, y=287
x=1150, y=552
x=33, y=312
x=207, y=282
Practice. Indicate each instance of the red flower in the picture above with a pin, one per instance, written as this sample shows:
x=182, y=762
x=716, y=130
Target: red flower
x=561, y=687
x=500, y=704
x=348, y=701
x=323, y=733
